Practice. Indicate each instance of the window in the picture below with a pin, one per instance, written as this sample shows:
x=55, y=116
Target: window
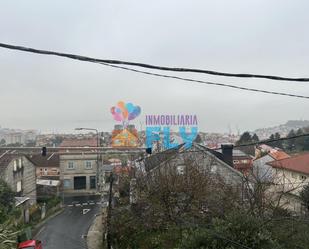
x=15, y=165
x=18, y=186
x=92, y=182
x=67, y=183
x=302, y=177
x=181, y=170
x=70, y=165
x=54, y=171
x=88, y=165
x=213, y=169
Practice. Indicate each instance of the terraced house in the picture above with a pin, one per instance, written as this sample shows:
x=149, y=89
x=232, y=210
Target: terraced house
x=78, y=169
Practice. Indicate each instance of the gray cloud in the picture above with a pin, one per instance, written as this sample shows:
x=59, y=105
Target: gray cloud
x=49, y=93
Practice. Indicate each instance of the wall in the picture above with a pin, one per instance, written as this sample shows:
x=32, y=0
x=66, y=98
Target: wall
x=261, y=170
x=208, y=163
x=290, y=181
x=29, y=181
x=25, y=174
x=79, y=162
x=47, y=171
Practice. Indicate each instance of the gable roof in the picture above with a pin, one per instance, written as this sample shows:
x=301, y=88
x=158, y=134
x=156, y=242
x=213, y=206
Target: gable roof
x=274, y=152
x=278, y=154
x=157, y=159
x=5, y=158
x=50, y=160
x=299, y=163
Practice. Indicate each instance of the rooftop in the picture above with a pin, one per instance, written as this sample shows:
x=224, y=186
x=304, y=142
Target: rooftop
x=278, y=154
x=275, y=153
x=236, y=153
x=5, y=158
x=86, y=142
x=50, y=160
x=299, y=163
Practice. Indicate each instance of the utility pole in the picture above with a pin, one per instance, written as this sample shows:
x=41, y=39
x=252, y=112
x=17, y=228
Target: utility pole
x=109, y=211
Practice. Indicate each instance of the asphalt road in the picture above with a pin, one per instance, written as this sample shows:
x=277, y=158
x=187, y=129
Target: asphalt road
x=66, y=230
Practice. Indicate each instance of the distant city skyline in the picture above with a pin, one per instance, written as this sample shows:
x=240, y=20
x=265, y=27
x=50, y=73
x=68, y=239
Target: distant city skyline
x=233, y=129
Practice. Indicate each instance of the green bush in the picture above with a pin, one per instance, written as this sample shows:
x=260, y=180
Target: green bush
x=49, y=201
x=236, y=230
x=6, y=200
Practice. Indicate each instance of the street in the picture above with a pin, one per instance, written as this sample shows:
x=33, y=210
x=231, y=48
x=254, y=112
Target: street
x=67, y=230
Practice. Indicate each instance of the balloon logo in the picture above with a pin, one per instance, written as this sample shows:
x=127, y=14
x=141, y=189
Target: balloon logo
x=124, y=112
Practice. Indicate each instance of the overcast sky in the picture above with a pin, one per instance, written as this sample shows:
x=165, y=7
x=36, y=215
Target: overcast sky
x=55, y=94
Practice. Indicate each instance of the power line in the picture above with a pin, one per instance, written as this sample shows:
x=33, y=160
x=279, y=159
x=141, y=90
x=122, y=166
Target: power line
x=208, y=82
x=272, y=140
x=83, y=149
x=149, y=66
x=111, y=62
x=266, y=141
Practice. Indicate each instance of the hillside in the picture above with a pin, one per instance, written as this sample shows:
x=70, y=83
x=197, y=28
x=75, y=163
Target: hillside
x=283, y=129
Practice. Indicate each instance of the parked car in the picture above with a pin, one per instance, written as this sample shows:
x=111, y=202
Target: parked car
x=30, y=244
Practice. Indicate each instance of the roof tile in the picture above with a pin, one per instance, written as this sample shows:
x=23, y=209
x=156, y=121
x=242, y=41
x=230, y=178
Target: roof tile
x=299, y=163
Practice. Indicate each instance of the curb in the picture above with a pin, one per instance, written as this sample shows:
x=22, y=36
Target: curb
x=38, y=226
x=98, y=216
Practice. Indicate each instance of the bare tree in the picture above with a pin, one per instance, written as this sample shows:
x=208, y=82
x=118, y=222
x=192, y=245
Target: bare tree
x=267, y=193
x=183, y=192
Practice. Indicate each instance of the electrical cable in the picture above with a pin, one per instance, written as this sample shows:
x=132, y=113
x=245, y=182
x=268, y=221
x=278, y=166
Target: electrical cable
x=110, y=62
x=208, y=82
x=149, y=66
x=7, y=149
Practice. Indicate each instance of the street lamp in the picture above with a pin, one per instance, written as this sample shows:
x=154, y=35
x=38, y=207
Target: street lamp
x=98, y=145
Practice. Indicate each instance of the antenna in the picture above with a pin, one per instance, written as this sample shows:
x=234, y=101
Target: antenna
x=238, y=130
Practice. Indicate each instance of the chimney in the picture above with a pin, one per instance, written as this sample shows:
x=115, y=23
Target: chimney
x=227, y=152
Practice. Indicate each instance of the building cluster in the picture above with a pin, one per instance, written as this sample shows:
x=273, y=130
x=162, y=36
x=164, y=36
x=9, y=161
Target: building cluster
x=76, y=167
x=284, y=175
x=213, y=140
x=283, y=129
x=20, y=137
